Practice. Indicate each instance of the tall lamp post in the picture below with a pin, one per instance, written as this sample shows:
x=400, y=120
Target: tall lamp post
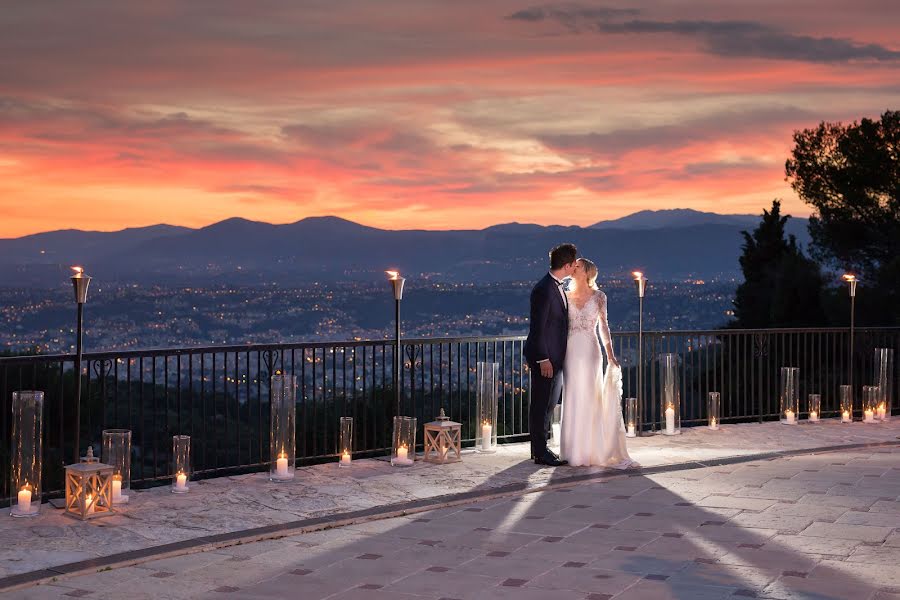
x=397, y=287
x=851, y=283
x=640, y=283
x=80, y=282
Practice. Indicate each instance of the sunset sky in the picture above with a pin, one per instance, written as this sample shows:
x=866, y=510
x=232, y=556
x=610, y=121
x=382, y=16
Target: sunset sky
x=426, y=114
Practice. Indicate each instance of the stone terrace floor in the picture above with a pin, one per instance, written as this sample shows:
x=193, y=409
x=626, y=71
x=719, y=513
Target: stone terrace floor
x=748, y=511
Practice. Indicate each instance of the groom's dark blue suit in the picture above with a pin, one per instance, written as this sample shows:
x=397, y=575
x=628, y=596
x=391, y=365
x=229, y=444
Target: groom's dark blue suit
x=547, y=335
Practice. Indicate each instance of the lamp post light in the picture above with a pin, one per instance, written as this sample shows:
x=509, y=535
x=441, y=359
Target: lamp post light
x=397, y=287
x=640, y=283
x=851, y=283
x=80, y=282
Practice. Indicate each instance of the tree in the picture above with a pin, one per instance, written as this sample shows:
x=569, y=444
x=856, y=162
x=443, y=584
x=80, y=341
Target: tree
x=782, y=287
x=850, y=175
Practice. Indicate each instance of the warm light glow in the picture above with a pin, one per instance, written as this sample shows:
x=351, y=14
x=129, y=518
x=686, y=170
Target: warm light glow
x=283, y=454
x=393, y=275
x=26, y=487
x=849, y=277
x=117, y=477
x=712, y=422
x=78, y=270
x=638, y=275
x=486, y=422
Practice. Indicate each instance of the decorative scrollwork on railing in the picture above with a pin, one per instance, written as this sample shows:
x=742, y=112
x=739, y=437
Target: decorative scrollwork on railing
x=760, y=345
x=413, y=355
x=272, y=362
x=102, y=367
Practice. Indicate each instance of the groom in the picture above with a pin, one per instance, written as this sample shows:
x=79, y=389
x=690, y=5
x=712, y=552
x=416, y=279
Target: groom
x=545, y=349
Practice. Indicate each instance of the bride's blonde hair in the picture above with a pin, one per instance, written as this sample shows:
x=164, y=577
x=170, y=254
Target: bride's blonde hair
x=590, y=269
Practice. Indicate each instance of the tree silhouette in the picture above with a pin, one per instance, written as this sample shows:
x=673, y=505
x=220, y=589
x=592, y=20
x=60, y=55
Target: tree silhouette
x=782, y=287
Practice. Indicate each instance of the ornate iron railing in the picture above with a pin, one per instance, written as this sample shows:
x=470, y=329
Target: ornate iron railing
x=219, y=394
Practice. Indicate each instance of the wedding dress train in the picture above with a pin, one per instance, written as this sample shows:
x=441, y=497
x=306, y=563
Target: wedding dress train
x=592, y=429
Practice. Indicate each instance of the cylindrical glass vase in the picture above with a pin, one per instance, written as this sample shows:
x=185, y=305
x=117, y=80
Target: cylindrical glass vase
x=630, y=417
x=870, y=397
x=555, y=426
x=884, y=379
x=346, y=448
x=403, y=449
x=713, y=402
x=790, y=395
x=846, y=403
x=670, y=394
x=815, y=408
x=282, y=452
x=181, y=463
x=116, y=452
x=488, y=382
x=26, y=457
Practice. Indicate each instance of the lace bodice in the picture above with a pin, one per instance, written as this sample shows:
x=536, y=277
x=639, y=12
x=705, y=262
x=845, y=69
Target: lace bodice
x=587, y=317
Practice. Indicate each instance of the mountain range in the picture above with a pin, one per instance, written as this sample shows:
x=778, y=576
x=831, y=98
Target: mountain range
x=668, y=244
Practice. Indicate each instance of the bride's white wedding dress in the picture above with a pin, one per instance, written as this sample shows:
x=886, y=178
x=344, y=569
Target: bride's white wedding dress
x=593, y=432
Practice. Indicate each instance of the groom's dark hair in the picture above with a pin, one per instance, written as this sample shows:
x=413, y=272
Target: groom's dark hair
x=563, y=255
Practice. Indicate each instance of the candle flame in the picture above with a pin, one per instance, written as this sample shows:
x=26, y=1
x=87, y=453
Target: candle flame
x=393, y=274
x=78, y=270
x=26, y=487
x=117, y=477
x=849, y=277
x=638, y=275
x=486, y=422
x=283, y=454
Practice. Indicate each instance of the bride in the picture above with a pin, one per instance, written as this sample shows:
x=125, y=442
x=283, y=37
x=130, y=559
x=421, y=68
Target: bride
x=593, y=433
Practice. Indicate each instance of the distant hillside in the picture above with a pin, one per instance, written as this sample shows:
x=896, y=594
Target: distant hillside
x=692, y=244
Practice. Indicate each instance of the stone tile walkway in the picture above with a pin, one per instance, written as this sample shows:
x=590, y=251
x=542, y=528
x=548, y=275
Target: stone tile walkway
x=791, y=527
x=817, y=526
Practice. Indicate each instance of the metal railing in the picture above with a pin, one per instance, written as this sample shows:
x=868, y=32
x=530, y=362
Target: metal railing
x=219, y=395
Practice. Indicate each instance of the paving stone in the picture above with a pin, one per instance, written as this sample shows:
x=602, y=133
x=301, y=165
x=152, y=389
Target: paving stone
x=863, y=533
x=587, y=580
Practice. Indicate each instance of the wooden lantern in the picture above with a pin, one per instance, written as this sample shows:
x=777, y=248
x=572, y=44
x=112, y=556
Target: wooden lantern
x=89, y=490
x=443, y=440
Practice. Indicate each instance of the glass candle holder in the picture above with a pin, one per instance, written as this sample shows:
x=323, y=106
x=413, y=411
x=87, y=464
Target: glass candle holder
x=670, y=394
x=26, y=453
x=870, y=397
x=282, y=450
x=116, y=452
x=846, y=393
x=346, y=448
x=403, y=450
x=790, y=395
x=815, y=408
x=884, y=379
x=713, y=407
x=630, y=417
x=555, y=427
x=488, y=376
x=181, y=463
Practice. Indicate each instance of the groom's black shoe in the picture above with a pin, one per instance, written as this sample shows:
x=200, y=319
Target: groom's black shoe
x=551, y=460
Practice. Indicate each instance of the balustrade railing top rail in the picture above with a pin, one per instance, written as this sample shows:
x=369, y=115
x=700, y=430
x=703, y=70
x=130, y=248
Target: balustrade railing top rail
x=220, y=394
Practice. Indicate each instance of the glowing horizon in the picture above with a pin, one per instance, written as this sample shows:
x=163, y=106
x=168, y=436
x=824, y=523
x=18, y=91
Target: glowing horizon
x=422, y=115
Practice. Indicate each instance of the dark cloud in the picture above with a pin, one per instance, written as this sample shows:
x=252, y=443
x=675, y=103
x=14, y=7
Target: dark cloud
x=747, y=39
x=665, y=137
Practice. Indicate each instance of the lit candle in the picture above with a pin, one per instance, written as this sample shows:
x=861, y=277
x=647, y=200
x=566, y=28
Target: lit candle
x=813, y=415
x=281, y=465
x=882, y=411
x=789, y=417
x=89, y=503
x=345, y=458
x=181, y=482
x=845, y=416
x=869, y=416
x=670, y=420
x=117, y=488
x=25, y=499
x=486, y=434
x=713, y=423
x=630, y=430
x=402, y=453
